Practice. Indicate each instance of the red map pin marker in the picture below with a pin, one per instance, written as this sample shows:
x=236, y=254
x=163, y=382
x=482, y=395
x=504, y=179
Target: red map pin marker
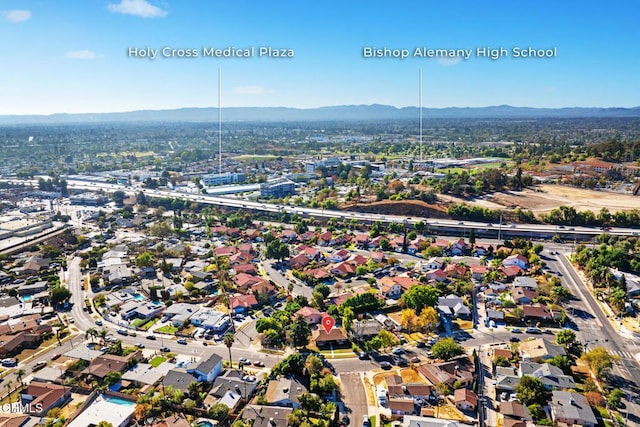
x=327, y=323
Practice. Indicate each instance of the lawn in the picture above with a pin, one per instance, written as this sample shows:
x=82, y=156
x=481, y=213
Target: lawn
x=167, y=329
x=157, y=361
x=149, y=324
x=139, y=322
x=372, y=420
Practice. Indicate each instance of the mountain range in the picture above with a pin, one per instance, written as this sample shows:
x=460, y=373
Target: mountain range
x=332, y=113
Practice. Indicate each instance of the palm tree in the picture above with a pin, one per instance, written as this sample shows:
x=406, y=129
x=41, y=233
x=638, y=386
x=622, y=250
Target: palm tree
x=90, y=333
x=8, y=386
x=19, y=373
x=102, y=334
x=228, y=341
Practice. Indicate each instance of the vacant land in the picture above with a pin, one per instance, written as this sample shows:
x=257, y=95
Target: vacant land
x=546, y=197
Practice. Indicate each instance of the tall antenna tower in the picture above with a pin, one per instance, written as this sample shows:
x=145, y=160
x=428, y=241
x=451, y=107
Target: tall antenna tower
x=420, y=108
x=219, y=122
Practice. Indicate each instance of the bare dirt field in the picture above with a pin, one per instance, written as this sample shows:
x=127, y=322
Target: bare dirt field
x=546, y=197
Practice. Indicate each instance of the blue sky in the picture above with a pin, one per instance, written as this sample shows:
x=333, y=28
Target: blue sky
x=71, y=55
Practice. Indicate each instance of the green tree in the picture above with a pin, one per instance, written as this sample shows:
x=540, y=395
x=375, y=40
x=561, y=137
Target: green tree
x=420, y=296
x=615, y=398
x=566, y=337
x=299, y=333
x=59, y=295
x=599, y=360
x=145, y=259
x=218, y=411
x=112, y=377
x=313, y=365
x=446, y=349
x=104, y=424
x=347, y=318
x=228, y=340
x=530, y=390
x=118, y=198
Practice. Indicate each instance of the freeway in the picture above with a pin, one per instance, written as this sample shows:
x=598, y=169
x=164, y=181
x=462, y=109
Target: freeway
x=503, y=229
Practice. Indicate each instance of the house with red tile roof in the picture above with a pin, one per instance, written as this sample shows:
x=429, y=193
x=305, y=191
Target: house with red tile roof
x=478, y=271
x=288, y=235
x=299, y=261
x=362, y=240
x=516, y=260
x=339, y=256
x=436, y=275
x=42, y=397
x=245, y=268
x=225, y=251
x=326, y=239
x=242, y=303
x=343, y=269
x=311, y=315
x=465, y=399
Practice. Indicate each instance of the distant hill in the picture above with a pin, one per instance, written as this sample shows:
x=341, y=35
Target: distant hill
x=334, y=113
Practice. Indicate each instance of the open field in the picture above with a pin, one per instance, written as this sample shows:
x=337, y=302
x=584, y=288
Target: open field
x=548, y=196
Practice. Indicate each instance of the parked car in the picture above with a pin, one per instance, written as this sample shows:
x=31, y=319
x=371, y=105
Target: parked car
x=516, y=330
x=151, y=337
x=39, y=366
x=421, y=344
x=533, y=331
x=122, y=332
x=140, y=345
x=99, y=322
x=385, y=365
x=182, y=341
x=165, y=349
x=514, y=339
x=244, y=361
x=258, y=363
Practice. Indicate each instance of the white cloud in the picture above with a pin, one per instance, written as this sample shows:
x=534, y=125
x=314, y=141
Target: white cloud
x=16, y=16
x=138, y=8
x=250, y=90
x=81, y=54
x=449, y=60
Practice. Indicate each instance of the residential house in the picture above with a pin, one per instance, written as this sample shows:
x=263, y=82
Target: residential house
x=525, y=282
x=478, y=271
x=516, y=260
x=343, y=269
x=551, y=376
x=364, y=330
x=433, y=263
x=285, y=391
x=572, y=409
x=246, y=269
x=511, y=272
x=339, y=256
x=334, y=337
x=460, y=369
x=311, y=315
x=459, y=247
x=453, y=305
x=362, y=240
x=326, y=239
x=507, y=379
x=436, y=275
x=465, y=399
x=38, y=397
x=389, y=289
x=377, y=256
x=401, y=407
x=397, y=388
x=225, y=251
x=523, y=295
x=242, y=303
x=515, y=414
x=288, y=236
x=299, y=261
x=536, y=312
x=207, y=369
x=100, y=366
x=266, y=416
x=539, y=349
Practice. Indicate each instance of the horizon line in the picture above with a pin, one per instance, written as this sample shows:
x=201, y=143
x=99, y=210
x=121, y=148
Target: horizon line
x=321, y=107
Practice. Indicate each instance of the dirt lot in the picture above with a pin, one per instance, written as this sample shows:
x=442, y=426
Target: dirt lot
x=549, y=196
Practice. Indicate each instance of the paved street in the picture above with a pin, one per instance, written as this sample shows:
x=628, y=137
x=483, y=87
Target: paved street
x=355, y=397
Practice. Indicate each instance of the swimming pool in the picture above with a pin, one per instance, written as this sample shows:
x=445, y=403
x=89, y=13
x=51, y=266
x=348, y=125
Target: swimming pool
x=138, y=297
x=118, y=401
x=26, y=298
